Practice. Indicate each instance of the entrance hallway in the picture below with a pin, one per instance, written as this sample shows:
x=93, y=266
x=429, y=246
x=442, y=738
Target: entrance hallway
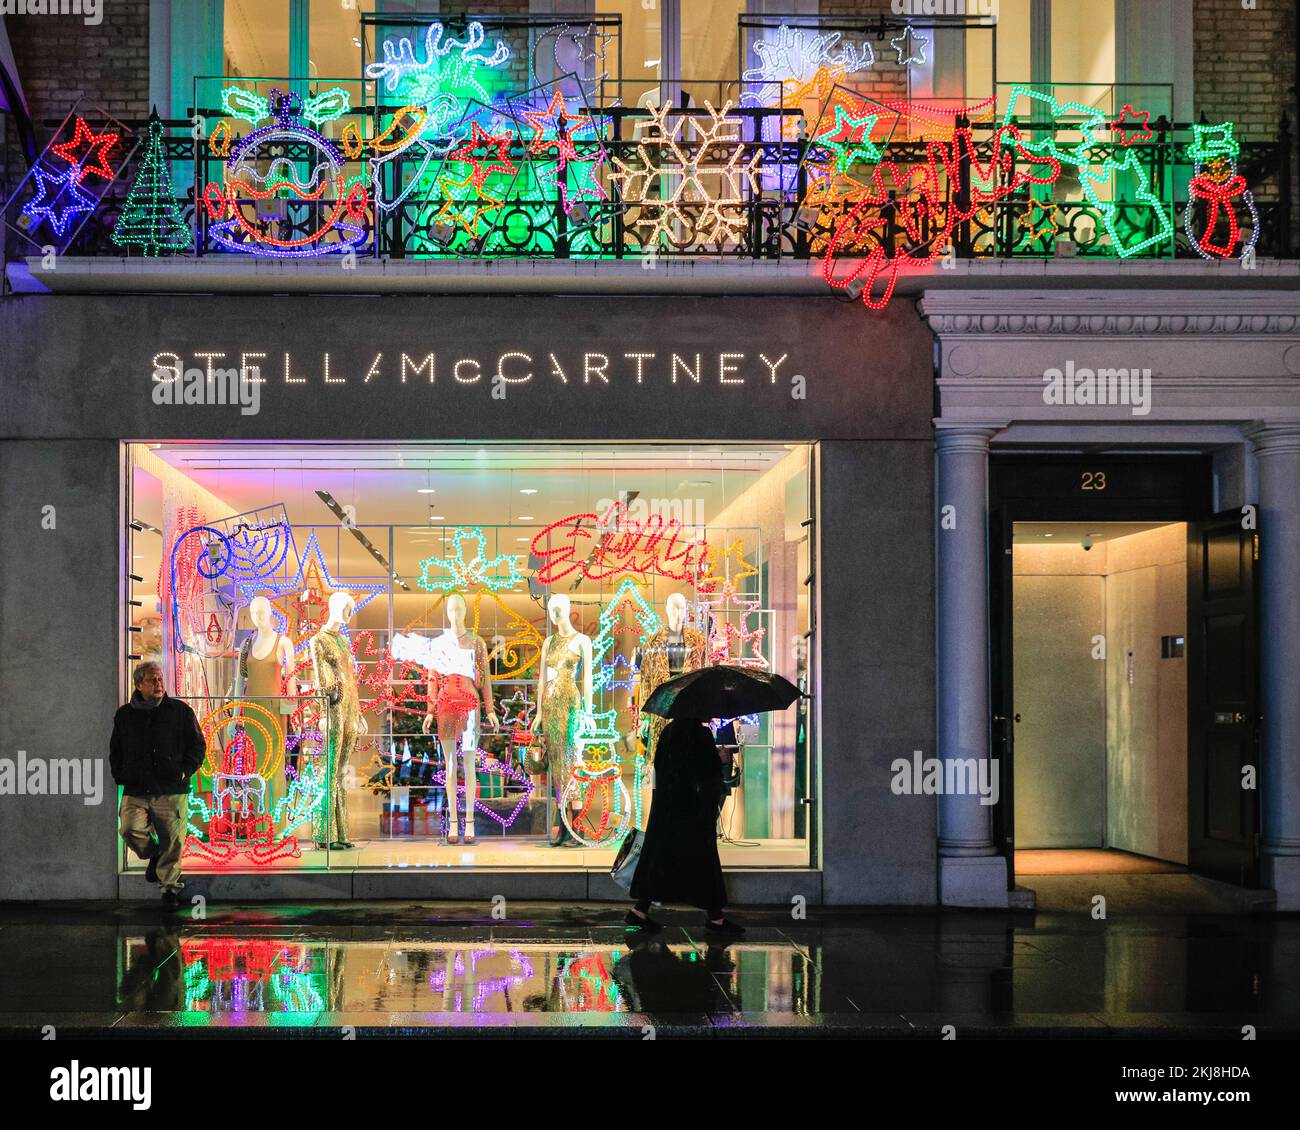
x=1090, y=861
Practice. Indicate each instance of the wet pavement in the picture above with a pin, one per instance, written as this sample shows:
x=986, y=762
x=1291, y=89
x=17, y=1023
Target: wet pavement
x=131, y=970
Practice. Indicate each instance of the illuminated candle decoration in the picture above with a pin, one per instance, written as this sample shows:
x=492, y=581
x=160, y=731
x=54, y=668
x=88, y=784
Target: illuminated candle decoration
x=321, y=200
x=151, y=219
x=468, y=567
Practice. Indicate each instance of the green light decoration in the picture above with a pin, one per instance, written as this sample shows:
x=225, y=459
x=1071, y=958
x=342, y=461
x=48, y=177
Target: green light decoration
x=1094, y=174
x=438, y=574
x=627, y=594
x=1214, y=142
x=150, y=219
x=856, y=146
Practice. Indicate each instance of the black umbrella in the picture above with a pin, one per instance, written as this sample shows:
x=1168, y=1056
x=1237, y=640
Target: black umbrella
x=721, y=692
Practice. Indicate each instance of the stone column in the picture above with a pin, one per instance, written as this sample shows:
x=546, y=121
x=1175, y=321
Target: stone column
x=1277, y=449
x=971, y=873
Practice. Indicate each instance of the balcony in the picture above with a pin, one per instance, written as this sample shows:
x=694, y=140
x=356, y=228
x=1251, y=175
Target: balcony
x=390, y=182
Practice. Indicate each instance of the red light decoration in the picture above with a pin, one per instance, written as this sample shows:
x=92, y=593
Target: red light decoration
x=605, y=547
x=86, y=145
x=486, y=165
x=1132, y=126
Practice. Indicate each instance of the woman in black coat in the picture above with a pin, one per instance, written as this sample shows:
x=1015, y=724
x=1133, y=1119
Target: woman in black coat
x=679, y=859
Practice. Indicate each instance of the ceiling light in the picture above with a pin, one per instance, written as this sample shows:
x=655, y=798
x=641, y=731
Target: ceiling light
x=436, y=518
x=523, y=539
x=425, y=490
x=528, y=490
x=1049, y=535
x=525, y=518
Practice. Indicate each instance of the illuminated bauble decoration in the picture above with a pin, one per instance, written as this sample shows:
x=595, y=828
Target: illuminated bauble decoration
x=314, y=183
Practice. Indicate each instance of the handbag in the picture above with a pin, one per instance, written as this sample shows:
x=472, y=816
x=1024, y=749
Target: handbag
x=629, y=855
x=532, y=752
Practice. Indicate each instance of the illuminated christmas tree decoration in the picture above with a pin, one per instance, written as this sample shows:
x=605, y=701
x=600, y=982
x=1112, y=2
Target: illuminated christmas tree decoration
x=460, y=571
x=849, y=138
x=58, y=199
x=150, y=218
x=87, y=151
x=485, y=166
x=627, y=597
x=1132, y=126
x=910, y=46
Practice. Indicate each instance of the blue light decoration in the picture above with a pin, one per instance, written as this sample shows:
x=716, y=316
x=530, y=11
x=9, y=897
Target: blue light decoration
x=313, y=576
x=317, y=181
x=249, y=553
x=439, y=574
x=68, y=180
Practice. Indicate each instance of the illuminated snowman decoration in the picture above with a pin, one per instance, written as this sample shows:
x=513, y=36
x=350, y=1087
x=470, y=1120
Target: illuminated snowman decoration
x=286, y=192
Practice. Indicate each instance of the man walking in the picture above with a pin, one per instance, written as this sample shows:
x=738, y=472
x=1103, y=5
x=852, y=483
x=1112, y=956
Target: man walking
x=156, y=748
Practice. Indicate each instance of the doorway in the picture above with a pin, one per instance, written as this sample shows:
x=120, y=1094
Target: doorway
x=1099, y=621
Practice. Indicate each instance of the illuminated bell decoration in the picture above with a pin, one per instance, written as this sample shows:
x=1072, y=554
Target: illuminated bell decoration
x=317, y=186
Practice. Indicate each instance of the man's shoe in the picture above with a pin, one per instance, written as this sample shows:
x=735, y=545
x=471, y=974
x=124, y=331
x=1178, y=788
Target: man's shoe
x=171, y=900
x=151, y=872
x=724, y=929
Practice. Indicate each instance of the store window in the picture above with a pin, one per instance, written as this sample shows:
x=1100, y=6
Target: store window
x=361, y=630
x=255, y=35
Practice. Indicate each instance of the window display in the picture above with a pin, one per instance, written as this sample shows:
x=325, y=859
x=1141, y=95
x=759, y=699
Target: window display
x=437, y=655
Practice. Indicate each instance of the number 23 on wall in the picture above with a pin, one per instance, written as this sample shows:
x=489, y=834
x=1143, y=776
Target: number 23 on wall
x=1093, y=480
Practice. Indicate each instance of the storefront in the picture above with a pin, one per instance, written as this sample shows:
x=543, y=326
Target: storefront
x=637, y=486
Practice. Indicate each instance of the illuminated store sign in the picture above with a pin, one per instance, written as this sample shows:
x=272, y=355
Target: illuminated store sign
x=497, y=370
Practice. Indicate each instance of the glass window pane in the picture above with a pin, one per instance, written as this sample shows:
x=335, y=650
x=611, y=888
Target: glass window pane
x=334, y=41
x=711, y=42
x=256, y=34
x=1083, y=50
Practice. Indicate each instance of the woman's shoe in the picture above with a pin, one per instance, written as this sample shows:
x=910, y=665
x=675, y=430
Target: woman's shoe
x=469, y=832
x=641, y=922
x=342, y=845
x=725, y=928
x=559, y=835
x=453, y=834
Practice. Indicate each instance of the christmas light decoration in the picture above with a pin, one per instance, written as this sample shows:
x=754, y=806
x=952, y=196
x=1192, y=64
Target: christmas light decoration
x=604, y=667
x=1217, y=183
x=449, y=64
x=615, y=544
x=484, y=987
x=726, y=638
x=487, y=143
x=459, y=572
x=849, y=138
x=735, y=568
x=794, y=56
x=87, y=151
x=258, y=169
x=1132, y=125
x=669, y=183
x=910, y=46
x=58, y=199
x=1035, y=213
x=466, y=210
x=515, y=712
x=150, y=218
x=521, y=645
x=303, y=600
x=229, y=975
x=486, y=764
x=385, y=682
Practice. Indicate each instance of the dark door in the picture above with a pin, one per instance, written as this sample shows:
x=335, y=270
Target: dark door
x=1222, y=815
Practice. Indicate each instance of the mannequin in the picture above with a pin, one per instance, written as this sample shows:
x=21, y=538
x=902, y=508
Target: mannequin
x=264, y=662
x=561, y=699
x=335, y=675
x=459, y=681
x=673, y=650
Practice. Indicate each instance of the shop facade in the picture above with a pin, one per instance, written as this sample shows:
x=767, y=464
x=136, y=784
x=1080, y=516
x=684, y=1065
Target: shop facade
x=538, y=458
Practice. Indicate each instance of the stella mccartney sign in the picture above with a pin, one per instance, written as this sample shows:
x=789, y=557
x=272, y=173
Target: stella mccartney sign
x=498, y=371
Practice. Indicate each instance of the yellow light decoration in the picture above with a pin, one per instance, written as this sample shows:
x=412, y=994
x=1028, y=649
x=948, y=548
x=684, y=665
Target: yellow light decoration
x=353, y=146
x=1026, y=221
x=219, y=140
x=466, y=211
x=404, y=134
x=251, y=716
x=710, y=578
x=523, y=642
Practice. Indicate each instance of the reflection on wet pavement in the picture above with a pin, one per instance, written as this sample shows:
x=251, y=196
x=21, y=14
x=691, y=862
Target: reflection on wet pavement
x=396, y=967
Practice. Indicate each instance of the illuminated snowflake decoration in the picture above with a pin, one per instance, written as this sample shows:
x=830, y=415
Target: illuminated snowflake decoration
x=692, y=190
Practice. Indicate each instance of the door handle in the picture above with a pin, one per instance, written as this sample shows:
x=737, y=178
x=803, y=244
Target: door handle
x=1003, y=718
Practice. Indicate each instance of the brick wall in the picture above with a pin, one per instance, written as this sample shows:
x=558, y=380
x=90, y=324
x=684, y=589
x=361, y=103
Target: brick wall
x=1246, y=73
x=61, y=59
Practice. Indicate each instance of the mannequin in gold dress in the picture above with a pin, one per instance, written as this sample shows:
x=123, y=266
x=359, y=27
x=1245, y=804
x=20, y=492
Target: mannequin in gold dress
x=336, y=678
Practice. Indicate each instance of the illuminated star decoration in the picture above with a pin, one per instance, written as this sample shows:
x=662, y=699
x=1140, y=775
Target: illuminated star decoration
x=458, y=571
x=51, y=191
x=1035, y=212
x=1133, y=125
x=849, y=138
x=515, y=711
x=742, y=570
x=311, y=585
x=726, y=638
x=467, y=210
x=904, y=45
x=96, y=145
x=556, y=129
x=486, y=165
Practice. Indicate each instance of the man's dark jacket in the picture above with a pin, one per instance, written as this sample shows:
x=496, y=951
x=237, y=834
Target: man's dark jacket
x=155, y=751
